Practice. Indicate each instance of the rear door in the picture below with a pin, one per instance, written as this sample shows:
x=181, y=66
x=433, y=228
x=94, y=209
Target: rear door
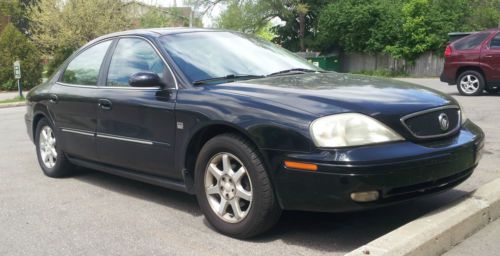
x=136, y=126
x=73, y=102
x=490, y=58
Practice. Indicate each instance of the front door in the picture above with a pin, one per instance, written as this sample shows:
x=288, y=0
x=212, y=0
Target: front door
x=490, y=57
x=73, y=103
x=136, y=126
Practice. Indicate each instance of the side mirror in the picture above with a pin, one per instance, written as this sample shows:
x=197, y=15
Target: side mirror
x=145, y=79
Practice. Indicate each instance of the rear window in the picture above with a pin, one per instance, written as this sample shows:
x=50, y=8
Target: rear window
x=470, y=42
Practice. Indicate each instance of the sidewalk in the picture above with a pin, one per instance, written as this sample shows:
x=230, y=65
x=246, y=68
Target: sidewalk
x=10, y=95
x=486, y=242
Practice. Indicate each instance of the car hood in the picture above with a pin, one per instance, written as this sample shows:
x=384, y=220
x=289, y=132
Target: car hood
x=330, y=93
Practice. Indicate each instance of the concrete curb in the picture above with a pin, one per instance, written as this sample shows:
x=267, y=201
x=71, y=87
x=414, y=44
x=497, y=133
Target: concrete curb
x=13, y=104
x=437, y=232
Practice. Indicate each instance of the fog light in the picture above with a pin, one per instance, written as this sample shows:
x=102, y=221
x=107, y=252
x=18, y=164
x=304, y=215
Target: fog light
x=363, y=197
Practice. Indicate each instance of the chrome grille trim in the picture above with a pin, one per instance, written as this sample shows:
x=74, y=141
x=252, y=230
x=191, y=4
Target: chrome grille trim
x=423, y=112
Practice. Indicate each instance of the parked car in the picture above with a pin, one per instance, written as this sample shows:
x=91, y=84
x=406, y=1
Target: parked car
x=473, y=63
x=246, y=126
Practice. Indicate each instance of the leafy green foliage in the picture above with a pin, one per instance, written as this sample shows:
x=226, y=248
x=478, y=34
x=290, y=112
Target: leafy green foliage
x=426, y=25
x=157, y=17
x=482, y=14
x=266, y=32
x=15, y=46
x=403, y=28
x=17, y=10
x=289, y=34
x=359, y=26
x=70, y=24
x=58, y=57
x=60, y=27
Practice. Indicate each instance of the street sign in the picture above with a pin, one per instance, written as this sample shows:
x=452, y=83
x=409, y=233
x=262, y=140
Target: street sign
x=17, y=69
x=17, y=76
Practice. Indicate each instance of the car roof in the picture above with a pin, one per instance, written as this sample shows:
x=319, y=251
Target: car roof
x=156, y=32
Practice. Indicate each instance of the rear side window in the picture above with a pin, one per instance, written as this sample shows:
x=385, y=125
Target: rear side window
x=470, y=42
x=495, y=42
x=133, y=55
x=84, y=69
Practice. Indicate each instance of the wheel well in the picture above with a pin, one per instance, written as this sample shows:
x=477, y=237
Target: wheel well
x=469, y=68
x=201, y=137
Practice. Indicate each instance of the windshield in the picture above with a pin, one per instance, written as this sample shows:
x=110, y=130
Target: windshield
x=207, y=55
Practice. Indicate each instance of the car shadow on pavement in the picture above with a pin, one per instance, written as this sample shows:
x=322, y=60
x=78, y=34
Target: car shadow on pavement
x=322, y=232
x=144, y=191
x=482, y=95
x=347, y=231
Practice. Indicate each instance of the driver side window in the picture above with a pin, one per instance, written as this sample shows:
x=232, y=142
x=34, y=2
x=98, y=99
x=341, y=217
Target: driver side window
x=133, y=55
x=495, y=42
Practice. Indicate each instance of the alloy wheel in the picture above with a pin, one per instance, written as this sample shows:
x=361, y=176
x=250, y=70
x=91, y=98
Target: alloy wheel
x=469, y=84
x=228, y=187
x=47, y=147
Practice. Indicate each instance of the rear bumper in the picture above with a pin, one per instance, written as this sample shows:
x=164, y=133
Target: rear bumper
x=448, y=75
x=447, y=78
x=398, y=171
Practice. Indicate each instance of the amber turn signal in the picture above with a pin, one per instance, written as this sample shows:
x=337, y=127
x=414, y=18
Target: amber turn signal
x=301, y=166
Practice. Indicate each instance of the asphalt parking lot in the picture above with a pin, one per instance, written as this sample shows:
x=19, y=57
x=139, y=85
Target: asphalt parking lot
x=95, y=213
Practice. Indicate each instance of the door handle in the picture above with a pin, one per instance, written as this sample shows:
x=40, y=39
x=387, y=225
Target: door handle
x=104, y=104
x=53, y=98
x=488, y=56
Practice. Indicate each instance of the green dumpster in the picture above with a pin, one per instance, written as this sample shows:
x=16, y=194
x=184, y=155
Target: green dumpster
x=330, y=63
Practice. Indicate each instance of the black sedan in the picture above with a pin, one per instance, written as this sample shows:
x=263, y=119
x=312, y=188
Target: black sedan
x=248, y=127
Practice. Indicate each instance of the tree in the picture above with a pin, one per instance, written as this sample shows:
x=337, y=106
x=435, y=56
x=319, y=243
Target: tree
x=426, y=25
x=15, y=46
x=17, y=10
x=483, y=14
x=250, y=16
x=61, y=26
x=247, y=16
x=158, y=17
x=356, y=26
x=298, y=28
x=302, y=9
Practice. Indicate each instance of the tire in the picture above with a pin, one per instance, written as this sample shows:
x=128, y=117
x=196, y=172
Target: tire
x=256, y=215
x=46, y=147
x=470, y=83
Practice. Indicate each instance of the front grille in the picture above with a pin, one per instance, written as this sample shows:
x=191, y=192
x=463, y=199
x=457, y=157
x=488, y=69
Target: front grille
x=430, y=123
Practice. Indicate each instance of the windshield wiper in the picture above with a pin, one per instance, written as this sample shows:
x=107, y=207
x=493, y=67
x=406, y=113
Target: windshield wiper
x=224, y=78
x=293, y=70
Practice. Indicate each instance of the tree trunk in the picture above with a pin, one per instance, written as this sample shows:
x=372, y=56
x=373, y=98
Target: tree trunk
x=302, y=28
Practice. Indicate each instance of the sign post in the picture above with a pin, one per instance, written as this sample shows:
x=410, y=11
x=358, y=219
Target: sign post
x=17, y=75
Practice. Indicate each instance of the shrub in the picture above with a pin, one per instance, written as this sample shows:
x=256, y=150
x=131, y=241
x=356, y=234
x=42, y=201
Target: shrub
x=15, y=46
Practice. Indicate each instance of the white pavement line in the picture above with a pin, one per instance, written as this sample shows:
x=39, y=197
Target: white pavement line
x=13, y=104
x=438, y=231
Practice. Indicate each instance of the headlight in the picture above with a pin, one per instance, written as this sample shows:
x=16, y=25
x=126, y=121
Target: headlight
x=463, y=116
x=350, y=129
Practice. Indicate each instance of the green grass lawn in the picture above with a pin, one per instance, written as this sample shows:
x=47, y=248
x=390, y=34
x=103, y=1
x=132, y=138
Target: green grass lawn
x=13, y=100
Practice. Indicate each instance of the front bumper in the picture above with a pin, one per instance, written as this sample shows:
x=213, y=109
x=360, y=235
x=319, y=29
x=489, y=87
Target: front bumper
x=29, y=129
x=398, y=171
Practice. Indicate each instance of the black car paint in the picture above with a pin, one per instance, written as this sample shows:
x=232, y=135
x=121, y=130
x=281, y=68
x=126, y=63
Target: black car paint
x=273, y=113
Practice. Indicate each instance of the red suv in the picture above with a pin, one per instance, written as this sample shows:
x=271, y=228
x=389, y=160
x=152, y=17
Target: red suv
x=473, y=63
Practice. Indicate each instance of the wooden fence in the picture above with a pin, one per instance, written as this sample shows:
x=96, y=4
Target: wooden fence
x=427, y=65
